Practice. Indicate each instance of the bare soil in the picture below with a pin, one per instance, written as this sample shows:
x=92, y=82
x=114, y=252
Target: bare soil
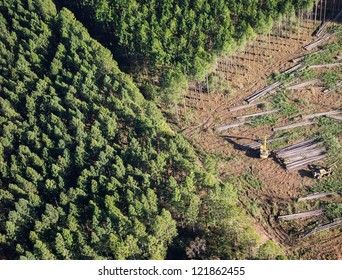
x=205, y=109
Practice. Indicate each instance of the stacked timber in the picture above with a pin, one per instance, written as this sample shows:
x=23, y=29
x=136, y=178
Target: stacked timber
x=299, y=155
x=315, y=196
x=304, y=84
x=301, y=215
x=225, y=127
x=237, y=108
x=330, y=113
x=297, y=67
x=318, y=41
x=336, y=118
x=335, y=223
x=298, y=59
x=258, y=114
x=275, y=86
x=262, y=92
x=321, y=28
x=294, y=125
x=331, y=65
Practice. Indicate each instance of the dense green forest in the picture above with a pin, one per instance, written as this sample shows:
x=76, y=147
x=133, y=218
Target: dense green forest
x=88, y=168
x=177, y=39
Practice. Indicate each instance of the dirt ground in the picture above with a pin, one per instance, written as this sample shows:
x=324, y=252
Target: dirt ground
x=244, y=73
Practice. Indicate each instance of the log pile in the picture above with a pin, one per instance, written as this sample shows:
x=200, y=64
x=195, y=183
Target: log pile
x=331, y=65
x=301, y=215
x=318, y=41
x=315, y=196
x=258, y=114
x=294, y=125
x=330, y=113
x=298, y=59
x=321, y=28
x=297, y=67
x=304, y=84
x=299, y=155
x=335, y=223
x=237, y=108
x=336, y=118
x=225, y=127
x=262, y=92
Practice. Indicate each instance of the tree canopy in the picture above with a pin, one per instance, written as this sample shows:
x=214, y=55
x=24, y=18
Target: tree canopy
x=88, y=168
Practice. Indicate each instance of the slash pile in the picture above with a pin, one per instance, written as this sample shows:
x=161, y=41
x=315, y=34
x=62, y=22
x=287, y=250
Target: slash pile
x=301, y=154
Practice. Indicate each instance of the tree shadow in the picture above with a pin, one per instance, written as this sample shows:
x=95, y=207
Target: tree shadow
x=250, y=152
x=305, y=173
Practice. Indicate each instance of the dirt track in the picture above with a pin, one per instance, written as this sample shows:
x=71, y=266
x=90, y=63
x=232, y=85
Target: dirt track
x=279, y=189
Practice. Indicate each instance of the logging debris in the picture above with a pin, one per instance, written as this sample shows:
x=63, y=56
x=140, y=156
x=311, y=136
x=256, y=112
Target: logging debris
x=258, y=114
x=315, y=196
x=335, y=223
x=224, y=127
x=299, y=155
x=262, y=92
x=318, y=41
x=321, y=28
x=304, y=84
x=331, y=65
x=294, y=125
x=301, y=215
x=336, y=112
x=232, y=109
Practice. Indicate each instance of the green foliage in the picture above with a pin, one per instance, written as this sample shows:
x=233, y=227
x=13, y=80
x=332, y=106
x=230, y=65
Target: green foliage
x=270, y=251
x=228, y=227
x=329, y=131
x=183, y=35
x=330, y=78
x=89, y=168
x=281, y=102
x=264, y=120
x=333, y=210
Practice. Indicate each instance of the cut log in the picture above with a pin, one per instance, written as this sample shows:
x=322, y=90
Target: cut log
x=295, y=151
x=293, y=125
x=301, y=156
x=232, y=109
x=304, y=84
x=292, y=69
x=262, y=92
x=335, y=223
x=298, y=145
x=224, y=127
x=321, y=28
x=315, y=196
x=339, y=84
x=301, y=144
x=301, y=215
x=331, y=65
x=337, y=118
x=298, y=59
x=336, y=112
x=318, y=41
x=298, y=164
x=258, y=114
